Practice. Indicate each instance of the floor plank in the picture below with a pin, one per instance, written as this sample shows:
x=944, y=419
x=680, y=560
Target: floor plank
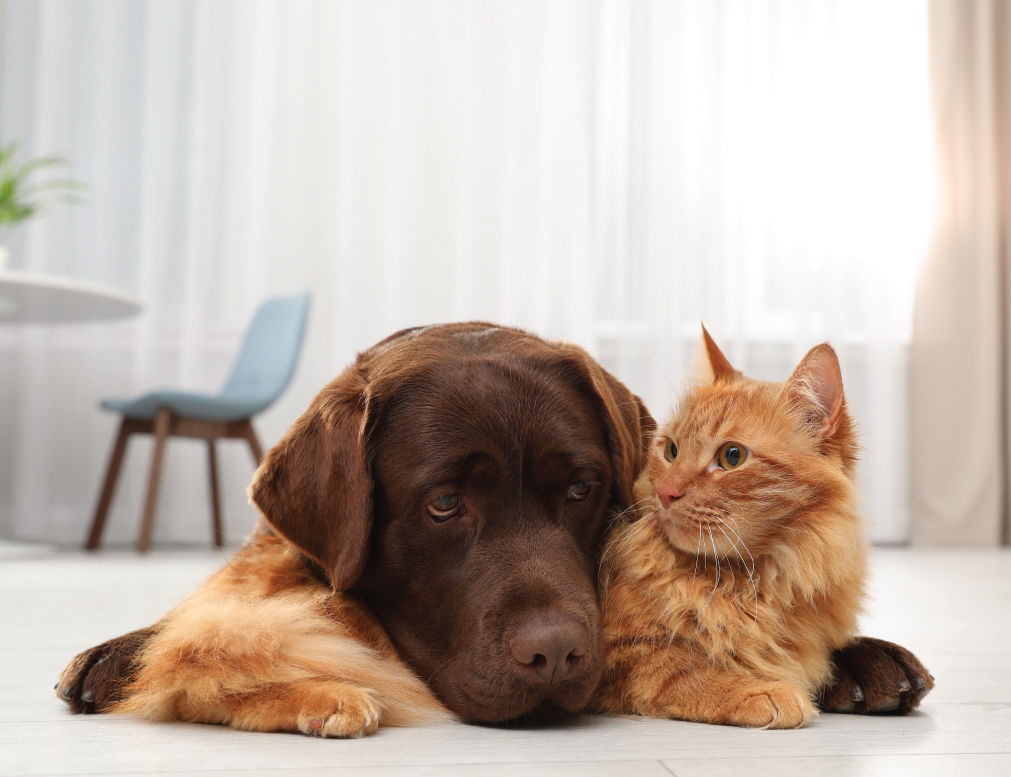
x=878, y=766
x=951, y=607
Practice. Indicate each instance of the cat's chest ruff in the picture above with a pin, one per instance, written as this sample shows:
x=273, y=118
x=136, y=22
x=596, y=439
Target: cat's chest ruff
x=686, y=594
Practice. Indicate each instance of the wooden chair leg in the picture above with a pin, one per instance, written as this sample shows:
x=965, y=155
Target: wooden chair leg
x=161, y=428
x=254, y=442
x=108, y=487
x=212, y=465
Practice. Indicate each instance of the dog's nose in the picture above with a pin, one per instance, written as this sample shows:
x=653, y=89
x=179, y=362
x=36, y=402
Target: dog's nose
x=550, y=646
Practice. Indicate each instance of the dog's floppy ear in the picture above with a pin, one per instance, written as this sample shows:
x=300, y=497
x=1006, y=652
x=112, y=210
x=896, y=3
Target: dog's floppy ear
x=629, y=425
x=315, y=486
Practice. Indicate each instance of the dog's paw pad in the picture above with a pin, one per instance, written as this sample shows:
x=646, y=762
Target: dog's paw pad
x=347, y=714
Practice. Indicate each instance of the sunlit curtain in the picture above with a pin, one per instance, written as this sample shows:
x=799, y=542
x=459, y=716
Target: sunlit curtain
x=607, y=172
x=774, y=178
x=960, y=401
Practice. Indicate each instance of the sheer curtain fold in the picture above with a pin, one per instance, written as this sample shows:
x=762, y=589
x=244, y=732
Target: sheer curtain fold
x=607, y=172
x=959, y=400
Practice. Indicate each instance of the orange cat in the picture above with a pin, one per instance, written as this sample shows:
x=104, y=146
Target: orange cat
x=742, y=569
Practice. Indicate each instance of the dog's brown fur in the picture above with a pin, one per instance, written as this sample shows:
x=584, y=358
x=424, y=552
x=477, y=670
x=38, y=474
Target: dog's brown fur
x=533, y=440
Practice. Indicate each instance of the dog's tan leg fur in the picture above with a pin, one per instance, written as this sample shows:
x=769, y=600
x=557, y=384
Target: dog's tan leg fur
x=265, y=646
x=325, y=708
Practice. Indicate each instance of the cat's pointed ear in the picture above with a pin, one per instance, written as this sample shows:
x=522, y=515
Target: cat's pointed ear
x=816, y=386
x=720, y=367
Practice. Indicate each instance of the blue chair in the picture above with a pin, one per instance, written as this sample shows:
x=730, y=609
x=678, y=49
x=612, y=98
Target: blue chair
x=262, y=372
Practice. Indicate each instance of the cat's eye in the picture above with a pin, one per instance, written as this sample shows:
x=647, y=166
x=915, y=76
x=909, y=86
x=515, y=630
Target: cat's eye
x=578, y=491
x=670, y=451
x=731, y=455
x=445, y=507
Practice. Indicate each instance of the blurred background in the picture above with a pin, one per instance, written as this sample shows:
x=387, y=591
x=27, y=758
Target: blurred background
x=607, y=172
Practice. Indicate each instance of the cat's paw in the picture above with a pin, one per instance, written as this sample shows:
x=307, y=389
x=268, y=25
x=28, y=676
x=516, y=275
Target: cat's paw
x=95, y=680
x=874, y=676
x=773, y=705
x=347, y=712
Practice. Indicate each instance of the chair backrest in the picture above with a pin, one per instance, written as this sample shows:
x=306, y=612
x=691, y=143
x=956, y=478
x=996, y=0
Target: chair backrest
x=269, y=352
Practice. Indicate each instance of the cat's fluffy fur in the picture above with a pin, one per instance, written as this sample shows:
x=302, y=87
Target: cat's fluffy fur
x=725, y=605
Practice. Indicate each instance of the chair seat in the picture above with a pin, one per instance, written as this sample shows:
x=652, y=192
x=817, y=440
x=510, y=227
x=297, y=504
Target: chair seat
x=205, y=407
x=262, y=371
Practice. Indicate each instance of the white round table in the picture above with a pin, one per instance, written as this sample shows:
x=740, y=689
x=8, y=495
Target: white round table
x=33, y=298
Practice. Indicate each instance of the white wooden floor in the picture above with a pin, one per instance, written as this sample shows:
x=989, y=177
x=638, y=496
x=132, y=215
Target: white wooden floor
x=951, y=607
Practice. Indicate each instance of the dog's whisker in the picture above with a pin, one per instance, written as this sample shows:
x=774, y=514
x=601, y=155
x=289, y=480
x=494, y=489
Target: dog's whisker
x=443, y=667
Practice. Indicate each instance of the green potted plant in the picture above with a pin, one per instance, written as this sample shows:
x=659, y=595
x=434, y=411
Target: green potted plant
x=22, y=195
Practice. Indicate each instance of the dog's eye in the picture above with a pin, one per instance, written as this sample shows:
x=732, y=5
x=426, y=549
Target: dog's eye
x=579, y=490
x=444, y=508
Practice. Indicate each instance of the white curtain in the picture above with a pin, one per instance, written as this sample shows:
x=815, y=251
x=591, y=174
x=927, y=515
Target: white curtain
x=606, y=172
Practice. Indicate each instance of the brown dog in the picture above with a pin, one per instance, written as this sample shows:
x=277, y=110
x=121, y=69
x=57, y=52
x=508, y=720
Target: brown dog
x=455, y=482
x=457, y=479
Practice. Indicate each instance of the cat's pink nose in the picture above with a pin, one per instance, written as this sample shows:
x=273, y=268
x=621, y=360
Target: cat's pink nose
x=668, y=494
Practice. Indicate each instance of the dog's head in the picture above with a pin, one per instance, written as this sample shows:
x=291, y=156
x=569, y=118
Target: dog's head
x=460, y=477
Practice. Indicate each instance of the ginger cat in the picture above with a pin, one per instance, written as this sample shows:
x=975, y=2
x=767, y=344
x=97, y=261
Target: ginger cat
x=742, y=567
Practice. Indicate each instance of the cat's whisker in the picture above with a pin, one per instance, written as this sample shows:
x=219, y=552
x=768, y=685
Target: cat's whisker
x=629, y=539
x=625, y=538
x=698, y=550
x=632, y=507
x=723, y=528
x=733, y=517
x=717, y=555
x=751, y=577
x=642, y=519
x=743, y=544
x=729, y=515
x=611, y=553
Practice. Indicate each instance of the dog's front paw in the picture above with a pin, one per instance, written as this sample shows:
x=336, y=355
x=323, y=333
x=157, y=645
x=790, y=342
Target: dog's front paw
x=95, y=680
x=773, y=705
x=345, y=711
x=874, y=676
